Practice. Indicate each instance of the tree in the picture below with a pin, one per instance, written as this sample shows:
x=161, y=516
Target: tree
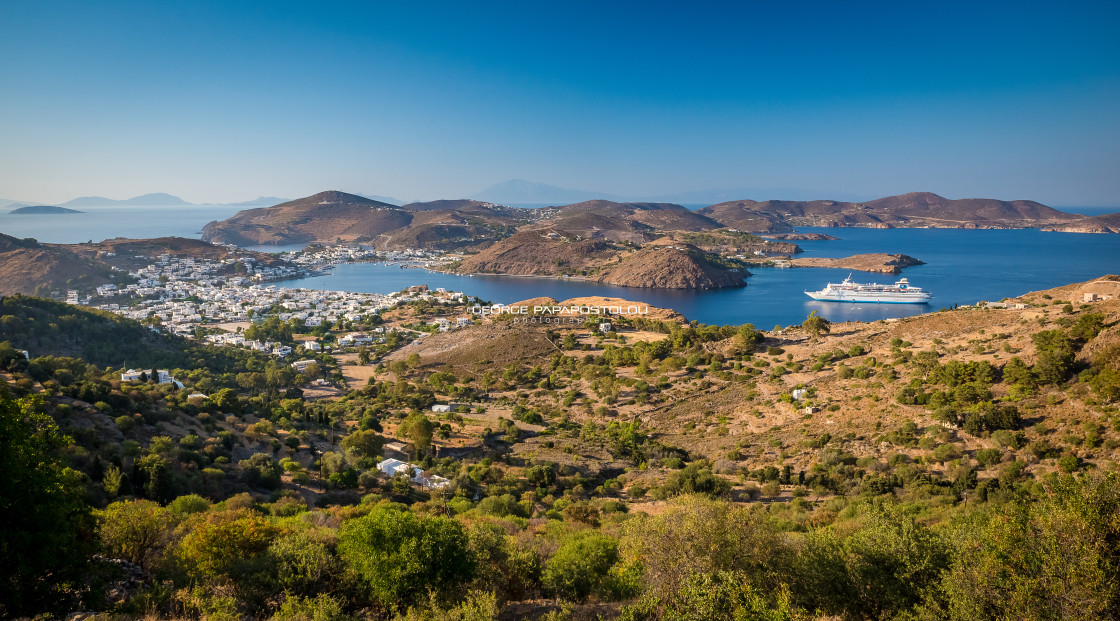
x=366, y=443
x=1055, y=356
x=747, y=338
x=398, y=555
x=418, y=429
x=226, y=400
x=42, y=511
x=363, y=356
x=815, y=325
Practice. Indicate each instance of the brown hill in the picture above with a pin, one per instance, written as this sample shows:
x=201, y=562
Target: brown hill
x=742, y=216
x=326, y=217
x=671, y=267
x=916, y=209
x=454, y=224
x=26, y=266
x=630, y=222
x=532, y=253
x=336, y=216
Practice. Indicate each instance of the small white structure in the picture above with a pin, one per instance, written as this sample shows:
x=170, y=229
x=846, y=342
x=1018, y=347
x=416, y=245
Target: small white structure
x=799, y=394
x=605, y=327
x=311, y=345
x=301, y=365
x=441, y=408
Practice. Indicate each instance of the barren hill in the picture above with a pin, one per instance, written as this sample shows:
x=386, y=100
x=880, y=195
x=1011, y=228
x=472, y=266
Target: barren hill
x=337, y=216
x=671, y=267
x=531, y=253
x=632, y=222
x=26, y=266
x=326, y=216
x=743, y=216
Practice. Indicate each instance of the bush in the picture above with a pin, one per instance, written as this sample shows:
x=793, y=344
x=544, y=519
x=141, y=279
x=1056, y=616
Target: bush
x=581, y=566
x=135, y=530
x=302, y=564
x=397, y=555
x=322, y=607
x=185, y=505
x=227, y=544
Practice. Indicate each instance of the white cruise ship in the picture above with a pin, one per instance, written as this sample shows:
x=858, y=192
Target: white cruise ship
x=901, y=292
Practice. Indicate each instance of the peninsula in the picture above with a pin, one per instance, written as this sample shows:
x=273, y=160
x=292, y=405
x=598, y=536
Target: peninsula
x=873, y=262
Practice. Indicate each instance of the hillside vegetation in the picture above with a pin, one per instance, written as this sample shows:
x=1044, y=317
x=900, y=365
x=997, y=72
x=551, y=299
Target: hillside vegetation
x=955, y=465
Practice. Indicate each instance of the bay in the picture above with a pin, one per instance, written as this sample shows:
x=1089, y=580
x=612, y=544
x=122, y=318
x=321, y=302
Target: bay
x=962, y=267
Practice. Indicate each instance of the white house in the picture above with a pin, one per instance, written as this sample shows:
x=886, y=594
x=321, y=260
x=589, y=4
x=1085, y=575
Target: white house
x=441, y=408
x=311, y=345
x=301, y=365
x=389, y=466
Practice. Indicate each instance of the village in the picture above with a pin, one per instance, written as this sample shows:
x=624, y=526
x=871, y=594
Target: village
x=218, y=299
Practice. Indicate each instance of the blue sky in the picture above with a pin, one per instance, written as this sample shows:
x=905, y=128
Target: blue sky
x=225, y=101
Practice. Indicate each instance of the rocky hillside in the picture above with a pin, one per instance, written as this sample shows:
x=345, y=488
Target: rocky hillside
x=743, y=216
x=531, y=253
x=1107, y=223
x=624, y=222
x=671, y=267
x=916, y=209
x=26, y=266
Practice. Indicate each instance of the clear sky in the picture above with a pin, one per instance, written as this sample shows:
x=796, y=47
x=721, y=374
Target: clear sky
x=225, y=101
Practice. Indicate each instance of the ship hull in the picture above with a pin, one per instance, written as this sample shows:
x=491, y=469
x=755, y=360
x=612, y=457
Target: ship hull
x=866, y=299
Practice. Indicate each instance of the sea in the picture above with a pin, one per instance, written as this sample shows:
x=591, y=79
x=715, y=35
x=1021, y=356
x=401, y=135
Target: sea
x=961, y=267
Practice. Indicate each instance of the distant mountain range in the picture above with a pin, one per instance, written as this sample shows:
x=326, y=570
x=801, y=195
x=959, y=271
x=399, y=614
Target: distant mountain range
x=157, y=199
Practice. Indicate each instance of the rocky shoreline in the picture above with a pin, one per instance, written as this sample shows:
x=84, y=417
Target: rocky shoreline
x=875, y=262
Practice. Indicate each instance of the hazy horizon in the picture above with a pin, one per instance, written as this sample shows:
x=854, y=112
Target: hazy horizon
x=218, y=103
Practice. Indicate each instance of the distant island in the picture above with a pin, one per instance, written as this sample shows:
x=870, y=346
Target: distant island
x=43, y=209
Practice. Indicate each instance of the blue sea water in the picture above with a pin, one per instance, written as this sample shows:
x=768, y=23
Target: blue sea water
x=962, y=267
x=100, y=223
